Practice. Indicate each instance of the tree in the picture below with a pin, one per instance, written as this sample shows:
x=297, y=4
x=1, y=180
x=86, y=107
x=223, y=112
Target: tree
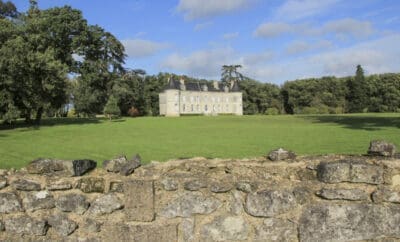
x=8, y=10
x=357, y=98
x=111, y=108
x=231, y=74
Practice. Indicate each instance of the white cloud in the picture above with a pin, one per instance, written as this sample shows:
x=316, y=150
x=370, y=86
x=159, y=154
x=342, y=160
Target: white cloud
x=298, y=47
x=299, y=9
x=257, y=58
x=348, y=26
x=341, y=28
x=202, y=63
x=195, y=9
x=230, y=36
x=142, y=48
x=272, y=29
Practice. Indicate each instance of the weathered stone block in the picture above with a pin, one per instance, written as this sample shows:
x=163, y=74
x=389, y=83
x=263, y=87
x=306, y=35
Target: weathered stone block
x=274, y=229
x=381, y=148
x=58, y=185
x=26, y=225
x=38, y=200
x=269, y=203
x=226, y=228
x=80, y=167
x=169, y=184
x=44, y=166
x=333, y=172
x=26, y=185
x=246, y=187
x=2, y=226
x=91, y=184
x=105, y=204
x=62, y=224
x=189, y=204
x=92, y=225
x=142, y=233
x=115, y=164
x=349, y=222
x=9, y=202
x=349, y=171
x=343, y=194
x=186, y=228
x=139, y=200
x=281, y=154
x=195, y=184
x=220, y=187
x=72, y=203
x=116, y=186
x=386, y=195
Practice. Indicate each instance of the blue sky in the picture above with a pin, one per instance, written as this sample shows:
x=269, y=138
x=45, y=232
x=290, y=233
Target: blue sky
x=274, y=40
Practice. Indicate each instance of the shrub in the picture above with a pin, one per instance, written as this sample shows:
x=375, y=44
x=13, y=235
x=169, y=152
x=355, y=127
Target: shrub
x=71, y=113
x=272, y=111
x=133, y=112
x=111, y=109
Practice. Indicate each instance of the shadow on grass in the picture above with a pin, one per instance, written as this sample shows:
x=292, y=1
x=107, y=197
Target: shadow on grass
x=50, y=122
x=370, y=123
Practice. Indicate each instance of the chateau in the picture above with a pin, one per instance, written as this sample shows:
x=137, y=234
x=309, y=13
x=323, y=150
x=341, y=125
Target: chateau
x=179, y=98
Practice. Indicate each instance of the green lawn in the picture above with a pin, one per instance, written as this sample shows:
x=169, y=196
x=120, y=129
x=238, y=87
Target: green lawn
x=223, y=136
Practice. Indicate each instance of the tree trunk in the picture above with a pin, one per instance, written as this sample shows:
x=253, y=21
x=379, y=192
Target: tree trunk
x=39, y=115
x=28, y=119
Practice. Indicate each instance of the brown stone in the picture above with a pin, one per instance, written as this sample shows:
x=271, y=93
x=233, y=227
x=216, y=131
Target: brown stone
x=139, y=200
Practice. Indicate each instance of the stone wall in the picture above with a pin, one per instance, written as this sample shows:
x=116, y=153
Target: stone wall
x=324, y=198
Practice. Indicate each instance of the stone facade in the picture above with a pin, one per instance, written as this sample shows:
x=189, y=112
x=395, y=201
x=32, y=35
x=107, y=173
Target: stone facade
x=324, y=198
x=180, y=98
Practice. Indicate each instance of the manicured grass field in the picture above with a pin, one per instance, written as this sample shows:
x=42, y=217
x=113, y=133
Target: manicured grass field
x=223, y=136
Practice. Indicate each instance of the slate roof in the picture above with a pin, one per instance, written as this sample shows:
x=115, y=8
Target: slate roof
x=197, y=86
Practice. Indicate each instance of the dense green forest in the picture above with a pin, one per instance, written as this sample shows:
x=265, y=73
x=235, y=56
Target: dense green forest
x=53, y=63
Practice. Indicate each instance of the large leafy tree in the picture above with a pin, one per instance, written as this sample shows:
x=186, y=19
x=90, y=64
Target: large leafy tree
x=230, y=73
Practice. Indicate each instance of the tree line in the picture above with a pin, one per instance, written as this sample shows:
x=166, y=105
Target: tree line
x=52, y=58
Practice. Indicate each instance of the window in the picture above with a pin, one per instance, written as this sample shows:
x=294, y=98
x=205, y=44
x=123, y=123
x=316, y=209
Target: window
x=214, y=109
x=192, y=108
x=183, y=107
x=227, y=107
x=198, y=107
x=191, y=99
x=205, y=108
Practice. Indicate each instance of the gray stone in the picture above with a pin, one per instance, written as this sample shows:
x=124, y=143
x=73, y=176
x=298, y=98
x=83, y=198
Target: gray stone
x=195, y=184
x=91, y=184
x=62, y=224
x=349, y=222
x=281, y=154
x=343, y=194
x=72, y=203
x=3, y=182
x=226, y=228
x=169, y=184
x=105, y=204
x=386, y=195
x=333, y=172
x=142, y=233
x=302, y=194
x=38, y=200
x=350, y=171
x=236, y=203
x=26, y=185
x=274, y=229
x=189, y=204
x=187, y=229
x=92, y=225
x=9, y=202
x=269, y=203
x=246, y=187
x=220, y=187
x=116, y=186
x=58, y=185
x=381, y=148
x=45, y=166
x=2, y=226
x=26, y=225
x=80, y=167
x=115, y=164
x=65, y=167
x=130, y=167
x=139, y=200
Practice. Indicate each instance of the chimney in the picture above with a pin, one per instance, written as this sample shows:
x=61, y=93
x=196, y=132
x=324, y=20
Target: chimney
x=215, y=83
x=182, y=84
x=182, y=81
